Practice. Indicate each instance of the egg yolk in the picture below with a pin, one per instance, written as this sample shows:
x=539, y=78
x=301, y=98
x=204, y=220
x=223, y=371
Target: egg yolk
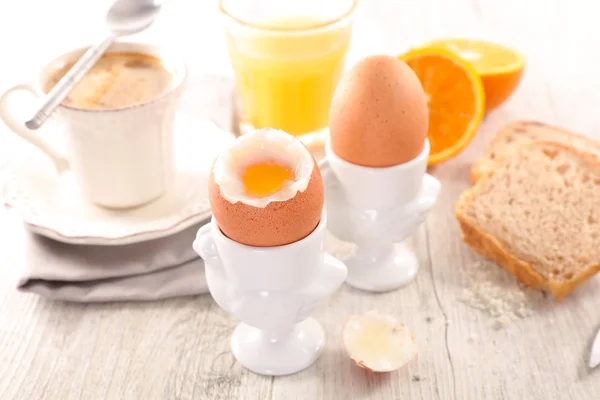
x=266, y=178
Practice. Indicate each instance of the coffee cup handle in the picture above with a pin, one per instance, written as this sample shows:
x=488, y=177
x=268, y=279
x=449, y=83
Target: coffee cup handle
x=60, y=162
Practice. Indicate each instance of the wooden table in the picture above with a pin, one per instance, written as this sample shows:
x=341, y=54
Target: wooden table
x=179, y=348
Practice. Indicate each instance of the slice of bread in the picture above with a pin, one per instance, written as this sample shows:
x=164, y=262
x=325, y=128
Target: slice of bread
x=538, y=216
x=521, y=132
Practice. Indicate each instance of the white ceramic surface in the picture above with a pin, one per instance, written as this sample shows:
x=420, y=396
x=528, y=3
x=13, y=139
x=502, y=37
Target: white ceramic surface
x=594, y=360
x=254, y=349
x=381, y=262
x=379, y=188
x=382, y=268
x=120, y=158
x=50, y=203
x=272, y=290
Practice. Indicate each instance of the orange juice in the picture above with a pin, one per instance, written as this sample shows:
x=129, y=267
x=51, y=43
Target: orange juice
x=286, y=73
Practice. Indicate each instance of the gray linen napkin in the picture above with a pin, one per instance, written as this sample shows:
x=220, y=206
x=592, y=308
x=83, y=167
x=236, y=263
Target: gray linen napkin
x=151, y=270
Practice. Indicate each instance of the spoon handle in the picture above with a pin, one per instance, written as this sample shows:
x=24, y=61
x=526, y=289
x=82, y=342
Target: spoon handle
x=67, y=82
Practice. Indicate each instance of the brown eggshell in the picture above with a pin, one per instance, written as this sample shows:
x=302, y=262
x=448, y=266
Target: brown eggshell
x=379, y=115
x=279, y=223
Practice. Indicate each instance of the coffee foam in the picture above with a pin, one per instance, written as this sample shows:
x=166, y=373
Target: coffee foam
x=118, y=80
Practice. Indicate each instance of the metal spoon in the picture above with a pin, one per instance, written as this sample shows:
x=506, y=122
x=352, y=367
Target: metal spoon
x=125, y=17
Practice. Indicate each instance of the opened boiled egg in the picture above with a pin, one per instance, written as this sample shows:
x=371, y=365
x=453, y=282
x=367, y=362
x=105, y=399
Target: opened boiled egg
x=266, y=190
x=378, y=342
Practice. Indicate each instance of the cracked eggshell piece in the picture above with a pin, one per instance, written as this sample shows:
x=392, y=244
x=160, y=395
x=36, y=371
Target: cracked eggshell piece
x=378, y=342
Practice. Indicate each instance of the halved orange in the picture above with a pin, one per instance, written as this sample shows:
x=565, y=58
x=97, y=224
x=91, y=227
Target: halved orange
x=455, y=97
x=500, y=68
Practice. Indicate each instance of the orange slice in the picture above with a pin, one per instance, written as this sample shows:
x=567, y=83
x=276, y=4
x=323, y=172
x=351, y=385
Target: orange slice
x=500, y=68
x=455, y=97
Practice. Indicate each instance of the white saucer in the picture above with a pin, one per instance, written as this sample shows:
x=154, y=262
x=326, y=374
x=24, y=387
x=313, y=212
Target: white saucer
x=51, y=205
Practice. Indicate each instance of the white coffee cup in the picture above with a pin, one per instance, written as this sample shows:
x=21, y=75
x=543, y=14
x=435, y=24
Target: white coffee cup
x=120, y=158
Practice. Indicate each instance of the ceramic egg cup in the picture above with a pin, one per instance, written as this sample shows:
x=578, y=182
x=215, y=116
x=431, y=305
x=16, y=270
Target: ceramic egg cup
x=273, y=291
x=377, y=209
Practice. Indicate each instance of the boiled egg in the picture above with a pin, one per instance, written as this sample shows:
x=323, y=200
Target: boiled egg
x=378, y=342
x=266, y=190
x=379, y=115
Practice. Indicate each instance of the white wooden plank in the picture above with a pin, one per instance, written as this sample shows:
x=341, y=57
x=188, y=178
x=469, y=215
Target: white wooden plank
x=180, y=348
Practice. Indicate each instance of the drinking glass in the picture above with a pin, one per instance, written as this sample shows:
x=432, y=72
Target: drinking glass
x=288, y=56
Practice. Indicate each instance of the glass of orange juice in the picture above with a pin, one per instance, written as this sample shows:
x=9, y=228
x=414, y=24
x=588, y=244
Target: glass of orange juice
x=288, y=56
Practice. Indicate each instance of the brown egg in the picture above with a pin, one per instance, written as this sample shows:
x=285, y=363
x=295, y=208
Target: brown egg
x=285, y=216
x=379, y=115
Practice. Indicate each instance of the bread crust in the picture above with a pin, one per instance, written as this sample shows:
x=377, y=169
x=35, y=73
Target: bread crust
x=485, y=165
x=488, y=246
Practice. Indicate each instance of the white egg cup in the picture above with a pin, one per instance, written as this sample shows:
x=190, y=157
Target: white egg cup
x=377, y=209
x=272, y=290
